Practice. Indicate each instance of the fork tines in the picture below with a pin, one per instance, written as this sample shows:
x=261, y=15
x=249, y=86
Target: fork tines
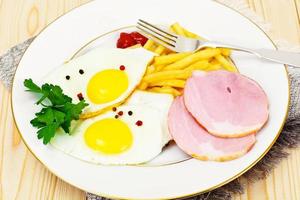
x=156, y=34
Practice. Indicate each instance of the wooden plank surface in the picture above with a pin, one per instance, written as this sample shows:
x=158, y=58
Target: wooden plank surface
x=23, y=177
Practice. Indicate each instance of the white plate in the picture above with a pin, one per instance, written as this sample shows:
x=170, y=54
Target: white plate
x=63, y=38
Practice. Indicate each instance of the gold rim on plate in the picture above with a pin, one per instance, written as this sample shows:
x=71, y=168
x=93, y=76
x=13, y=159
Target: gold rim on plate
x=182, y=196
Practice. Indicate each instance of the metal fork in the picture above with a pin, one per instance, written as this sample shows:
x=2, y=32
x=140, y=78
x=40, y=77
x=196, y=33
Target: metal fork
x=179, y=43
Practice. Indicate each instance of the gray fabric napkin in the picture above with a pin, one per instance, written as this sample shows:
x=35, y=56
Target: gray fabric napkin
x=10, y=60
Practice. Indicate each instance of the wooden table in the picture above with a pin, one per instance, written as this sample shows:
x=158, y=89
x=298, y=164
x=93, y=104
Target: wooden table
x=23, y=177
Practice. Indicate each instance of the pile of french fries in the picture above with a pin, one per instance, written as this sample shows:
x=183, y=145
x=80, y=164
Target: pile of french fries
x=168, y=71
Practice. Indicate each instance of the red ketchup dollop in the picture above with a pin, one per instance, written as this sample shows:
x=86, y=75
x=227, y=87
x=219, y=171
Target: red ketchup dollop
x=139, y=38
x=129, y=39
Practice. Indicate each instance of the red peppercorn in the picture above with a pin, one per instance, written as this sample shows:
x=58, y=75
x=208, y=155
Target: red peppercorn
x=80, y=97
x=139, y=123
x=114, y=109
x=120, y=113
x=122, y=67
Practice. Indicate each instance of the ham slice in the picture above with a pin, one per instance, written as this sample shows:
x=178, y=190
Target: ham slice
x=197, y=142
x=227, y=104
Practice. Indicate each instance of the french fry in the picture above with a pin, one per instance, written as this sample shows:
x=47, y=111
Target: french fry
x=149, y=44
x=170, y=58
x=225, y=63
x=165, y=75
x=159, y=68
x=200, y=55
x=167, y=51
x=200, y=65
x=192, y=35
x=172, y=30
x=143, y=85
x=212, y=67
x=225, y=51
x=214, y=62
x=178, y=29
x=166, y=89
x=172, y=83
x=150, y=69
x=233, y=67
x=159, y=49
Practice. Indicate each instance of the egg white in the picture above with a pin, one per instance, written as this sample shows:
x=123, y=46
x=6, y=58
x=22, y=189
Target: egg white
x=158, y=101
x=99, y=59
x=147, y=139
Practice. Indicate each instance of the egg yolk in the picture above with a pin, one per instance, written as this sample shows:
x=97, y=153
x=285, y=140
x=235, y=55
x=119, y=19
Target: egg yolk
x=109, y=136
x=107, y=85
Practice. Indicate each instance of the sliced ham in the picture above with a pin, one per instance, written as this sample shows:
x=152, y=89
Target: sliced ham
x=197, y=142
x=227, y=104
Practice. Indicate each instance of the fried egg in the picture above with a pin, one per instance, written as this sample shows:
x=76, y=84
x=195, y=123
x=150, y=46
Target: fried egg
x=103, y=76
x=158, y=101
x=128, y=135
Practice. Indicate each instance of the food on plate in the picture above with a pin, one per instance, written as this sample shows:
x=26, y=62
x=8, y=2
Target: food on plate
x=156, y=101
x=178, y=29
x=227, y=104
x=58, y=110
x=130, y=39
x=103, y=77
x=149, y=45
x=166, y=90
x=159, y=49
x=207, y=59
x=139, y=38
x=197, y=142
x=170, y=82
x=225, y=63
x=170, y=58
x=205, y=54
x=166, y=75
x=117, y=104
x=126, y=135
x=200, y=65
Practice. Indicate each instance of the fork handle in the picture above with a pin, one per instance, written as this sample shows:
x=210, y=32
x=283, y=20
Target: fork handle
x=283, y=57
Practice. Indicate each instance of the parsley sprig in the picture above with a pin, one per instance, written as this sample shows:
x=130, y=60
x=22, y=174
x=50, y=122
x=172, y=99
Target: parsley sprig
x=58, y=110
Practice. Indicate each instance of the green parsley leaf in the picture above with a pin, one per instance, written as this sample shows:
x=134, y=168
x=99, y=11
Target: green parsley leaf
x=57, y=97
x=36, y=123
x=59, y=113
x=47, y=132
x=72, y=113
x=45, y=116
x=32, y=87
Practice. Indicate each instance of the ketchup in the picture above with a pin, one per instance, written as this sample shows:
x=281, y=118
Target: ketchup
x=139, y=38
x=129, y=39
